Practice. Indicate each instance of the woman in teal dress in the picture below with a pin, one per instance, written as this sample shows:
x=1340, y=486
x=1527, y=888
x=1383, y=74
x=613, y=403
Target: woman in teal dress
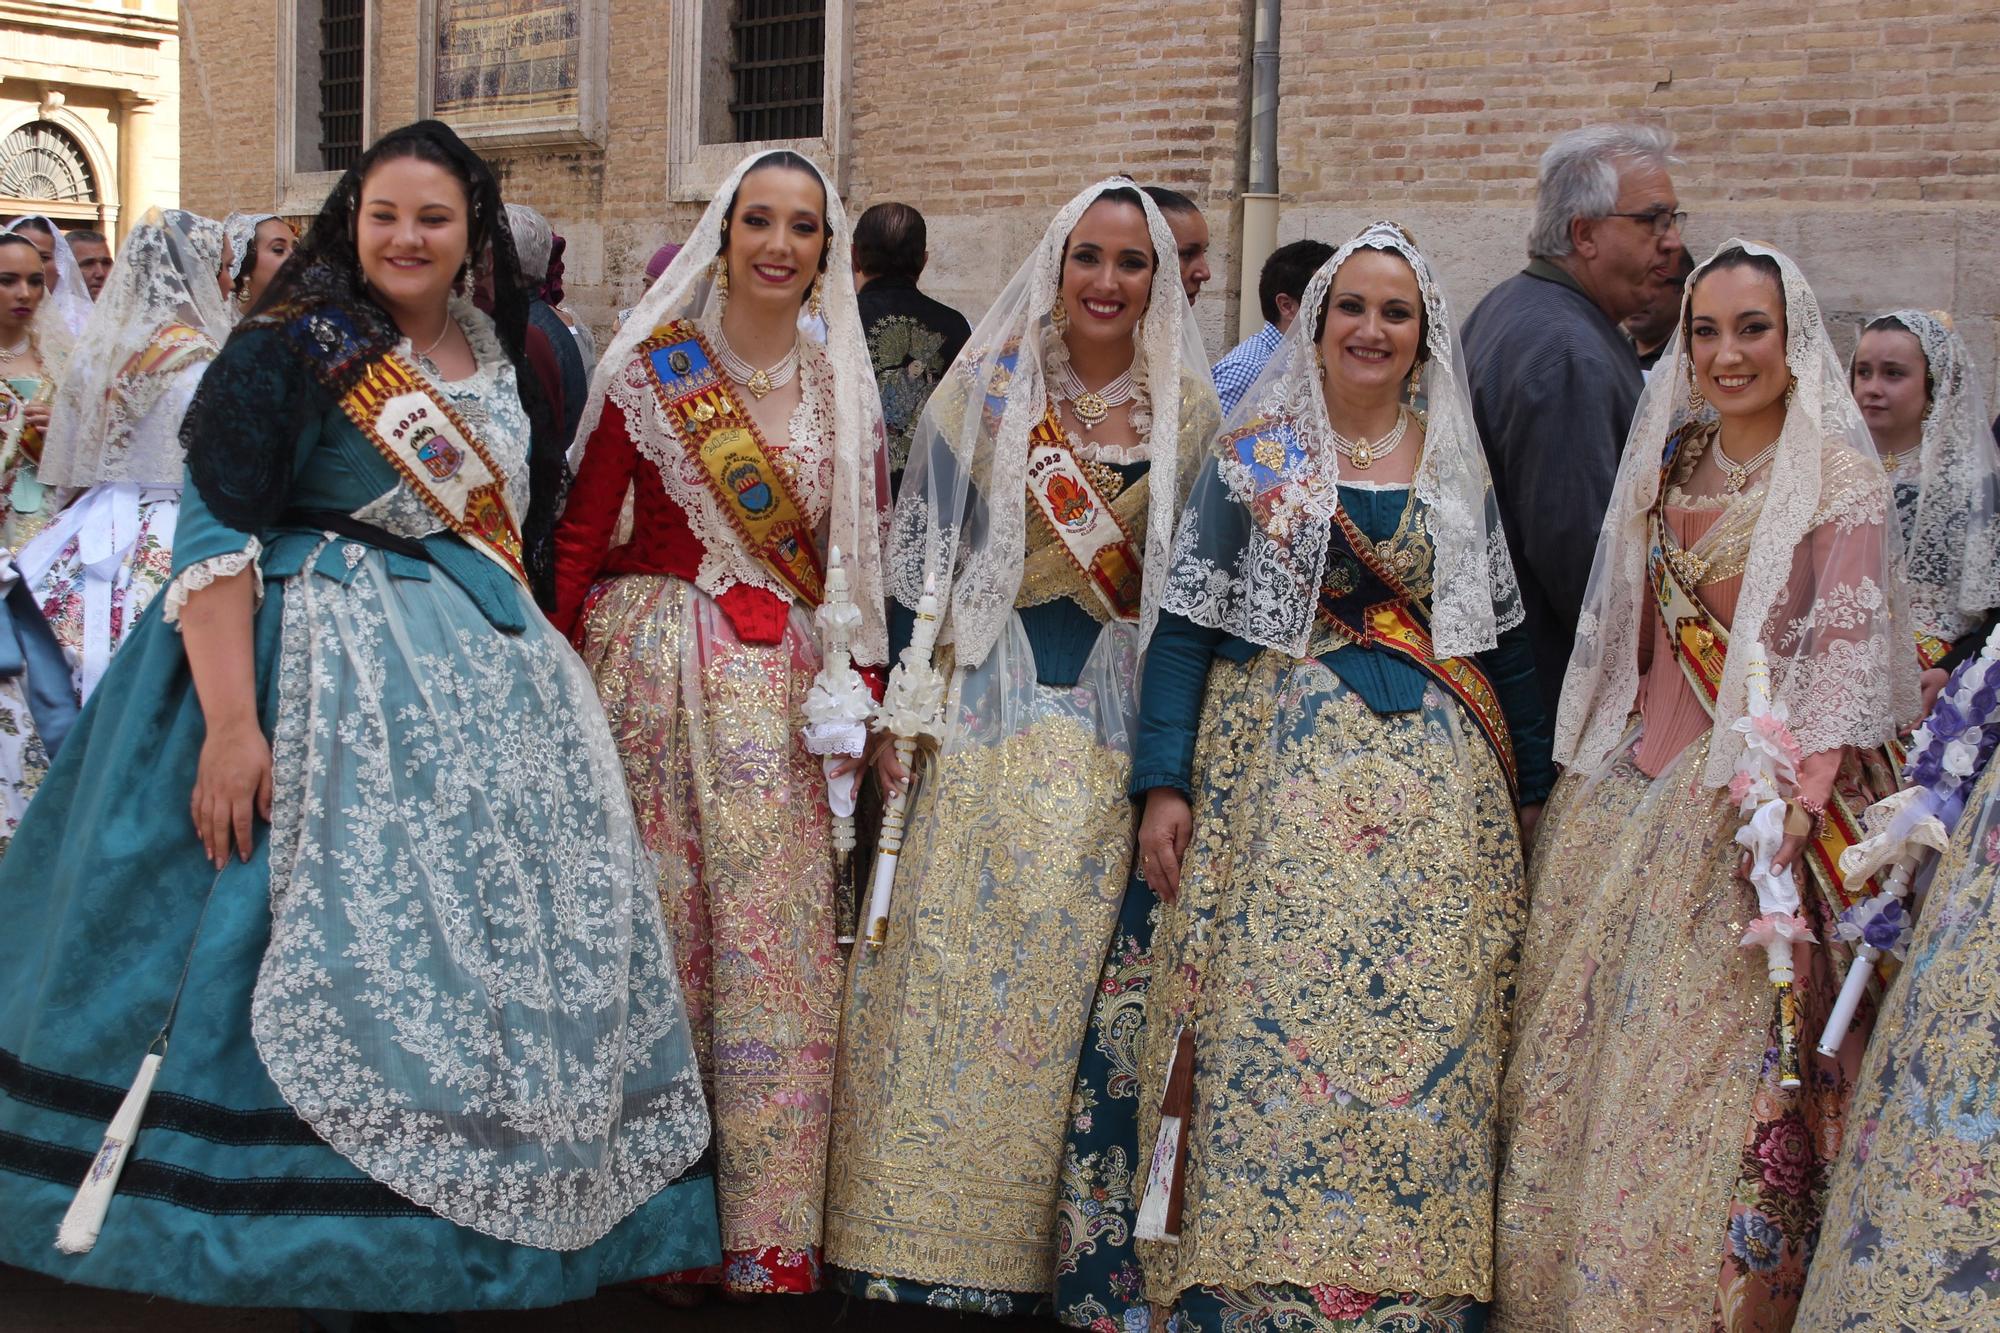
x=424, y=1046
x=1339, y=748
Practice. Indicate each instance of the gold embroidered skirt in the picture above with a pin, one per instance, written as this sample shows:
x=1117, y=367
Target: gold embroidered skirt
x=962, y=1032
x=1350, y=910
x=734, y=808
x=1655, y=1175
x=1912, y=1231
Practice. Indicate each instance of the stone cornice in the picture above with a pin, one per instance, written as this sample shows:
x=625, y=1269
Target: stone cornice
x=87, y=20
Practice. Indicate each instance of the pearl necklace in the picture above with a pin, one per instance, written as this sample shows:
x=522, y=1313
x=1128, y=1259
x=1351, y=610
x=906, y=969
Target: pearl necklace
x=1365, y=455
x=759, y=382
x=1736, y=475
x=16, y=351
x=1093, y=405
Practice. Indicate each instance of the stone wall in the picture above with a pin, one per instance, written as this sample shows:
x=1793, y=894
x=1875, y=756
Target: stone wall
x=108, y=75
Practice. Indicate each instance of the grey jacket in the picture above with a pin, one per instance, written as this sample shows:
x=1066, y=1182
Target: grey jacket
x=1554, y=388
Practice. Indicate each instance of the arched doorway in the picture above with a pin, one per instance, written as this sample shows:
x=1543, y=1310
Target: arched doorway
x=43, y=169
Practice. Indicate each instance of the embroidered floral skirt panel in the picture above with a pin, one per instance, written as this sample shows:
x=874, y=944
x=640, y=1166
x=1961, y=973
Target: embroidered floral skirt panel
x=438, y=989
x=1912, y=1231
x=734, y=809
x=98, y=565
x=1098, y=1285
x=962, y=1032
x=1656, y=1176
x=1350, y=912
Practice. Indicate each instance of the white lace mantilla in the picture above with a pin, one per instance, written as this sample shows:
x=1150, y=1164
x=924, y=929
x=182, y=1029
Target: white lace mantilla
x=469, y=991
x=1250, y=554
x=1818, y=590
x=806, y=458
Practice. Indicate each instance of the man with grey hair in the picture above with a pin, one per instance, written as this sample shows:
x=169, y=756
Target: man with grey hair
x=534, y=242
x=1554, y=382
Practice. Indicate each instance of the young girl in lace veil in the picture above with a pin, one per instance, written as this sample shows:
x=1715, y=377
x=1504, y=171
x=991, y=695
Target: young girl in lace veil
x=27, y=504
x=1339, y=739
x=68, y=306
x=114, y=438
x=1654, y=1166
x=1919, y=392
x=342, y=839
x=1037, y=507
x=728, y=459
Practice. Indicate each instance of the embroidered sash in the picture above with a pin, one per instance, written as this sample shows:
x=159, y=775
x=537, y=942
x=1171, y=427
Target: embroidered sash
x=172, y=348
x=723, y=440
x=1087, y=527
x=1701, y=646
x=1364, y=601
x=433, y=450
x=13, y=422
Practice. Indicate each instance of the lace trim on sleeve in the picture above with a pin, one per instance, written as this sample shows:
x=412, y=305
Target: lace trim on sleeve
x=204, y=572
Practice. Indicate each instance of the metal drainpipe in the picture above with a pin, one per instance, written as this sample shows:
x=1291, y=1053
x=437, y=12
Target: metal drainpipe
x=1260, y=201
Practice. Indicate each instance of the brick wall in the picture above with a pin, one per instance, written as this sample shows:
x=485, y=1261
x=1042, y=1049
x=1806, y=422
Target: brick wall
x=1865, y=139
x=989, y=116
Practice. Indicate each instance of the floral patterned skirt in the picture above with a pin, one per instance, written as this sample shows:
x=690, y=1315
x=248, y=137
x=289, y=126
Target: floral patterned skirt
x=1655, y=1173
x=1341, y=951
x=1098, y=1285
x=960, y=1045
x=734, y=808
x=1912, y=1231
x=24, y=760
x=97, y=566
x=1283, y=1308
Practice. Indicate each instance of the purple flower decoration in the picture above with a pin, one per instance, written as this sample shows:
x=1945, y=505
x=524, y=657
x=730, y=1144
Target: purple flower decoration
x=1946, y=722
x=1925, y=769
x=1984, y=700
x=1889, y=928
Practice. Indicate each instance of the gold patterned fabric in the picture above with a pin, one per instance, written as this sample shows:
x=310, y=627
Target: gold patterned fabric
x=734, y=808
x=1912, y=1232
x=1655, y=1175
x=1349, y=915
x=963, y=1031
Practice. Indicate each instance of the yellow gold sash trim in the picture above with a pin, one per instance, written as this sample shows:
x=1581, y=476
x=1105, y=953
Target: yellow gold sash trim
x=1090, y=531
x=432, y=448
x=742, y=473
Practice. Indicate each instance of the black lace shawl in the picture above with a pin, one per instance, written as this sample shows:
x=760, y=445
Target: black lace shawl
x=316, y=329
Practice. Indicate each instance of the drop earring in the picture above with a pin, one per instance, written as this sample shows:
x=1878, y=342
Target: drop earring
x=1695, y=401
x=1059, y=315
x=813, y=302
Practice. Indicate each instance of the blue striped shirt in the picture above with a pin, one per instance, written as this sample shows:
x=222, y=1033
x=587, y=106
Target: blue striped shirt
x=1241, y=364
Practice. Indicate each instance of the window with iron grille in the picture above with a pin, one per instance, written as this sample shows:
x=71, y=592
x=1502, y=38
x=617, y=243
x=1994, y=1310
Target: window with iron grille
x=778, y=66
x=343, y=32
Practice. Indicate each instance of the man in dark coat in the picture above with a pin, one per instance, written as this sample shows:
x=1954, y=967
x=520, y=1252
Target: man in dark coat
x=1554, y=381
